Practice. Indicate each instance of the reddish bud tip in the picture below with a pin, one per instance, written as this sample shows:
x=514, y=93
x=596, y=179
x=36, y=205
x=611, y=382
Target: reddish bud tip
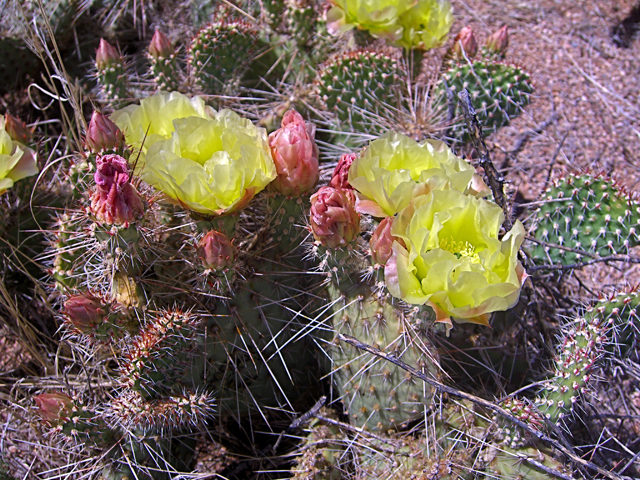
x=160, y=46
x=295, y=155
x=115, y=201
x=17, y=129
x=216, y=251
x=106, y=55
x=465, y=42
x=498, y=42
x=340, y=178
x=381, y=242
x=54, y=408
x=334, y=220
x=85, y=312
x=103, y=134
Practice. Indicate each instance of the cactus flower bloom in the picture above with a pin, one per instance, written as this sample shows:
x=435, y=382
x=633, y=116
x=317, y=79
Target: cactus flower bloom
x=211, y=165
x=216, y=251
x=394, y=169
x=426, y=25
x=334, y=220
x=295, y=155
x=103, y=134
x=54, y=408
x=17, y=161
x=452, y=258
x=152, y=120
x=115, y=201
x=85, y=312
x=379, y=17
x=340, y=178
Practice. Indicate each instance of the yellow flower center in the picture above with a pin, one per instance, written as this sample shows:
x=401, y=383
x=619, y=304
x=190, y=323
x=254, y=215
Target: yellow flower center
x=460, y=249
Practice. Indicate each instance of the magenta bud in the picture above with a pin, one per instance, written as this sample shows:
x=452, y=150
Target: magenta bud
x=295, y=155
x=115, y=201
x=106, y=55
x=17, y=129
x=54, y=408
x=160, y=46
x=498, y=42
x=465, y=42
x=216, y=251
x=340, y=178
x=334, y=220
x=103, y=134
x=381, y=242
x=85, y=312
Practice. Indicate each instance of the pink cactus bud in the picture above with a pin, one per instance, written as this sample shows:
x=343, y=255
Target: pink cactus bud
x=498, y=42
x=465, y=41
x=115, y=201
x=106, y=55
x=17, y=129
x=55, y=408
x=334, y=221
x=295, y=155
x=103, y=134
x=340, y=177
x=85, y=312
x=381, y=242
x=160, y=46
x=216, y=251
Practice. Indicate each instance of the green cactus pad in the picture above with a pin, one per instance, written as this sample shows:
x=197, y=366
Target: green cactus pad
x=221, y=53
x=498, y=92
x=377, y=394
x=585, y=212
x=619, y=311
x=357, y=85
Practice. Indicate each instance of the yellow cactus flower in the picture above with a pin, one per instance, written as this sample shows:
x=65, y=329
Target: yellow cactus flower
x=426, y=25
x=380, y=17
x=17, y=161
x=211, y=165
x=152, y=120
x=395, y=168
x=450, y=257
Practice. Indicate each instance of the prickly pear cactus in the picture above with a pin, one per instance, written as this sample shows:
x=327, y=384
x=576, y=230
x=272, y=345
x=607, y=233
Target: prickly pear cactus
x=588, y=216
x=618, y=312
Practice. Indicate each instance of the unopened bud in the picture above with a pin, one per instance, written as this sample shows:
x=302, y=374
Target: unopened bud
x=85, y=312
x=160, y=46
x=295, y=155
x=465, y=42
x=115, y=201
x=103, y=134
x=498, y=42
x=17, y=129
x=381, y=242
x=106, y=55
x=334, y=220
x=216, y=251
x=54, y=408
x=340, y=178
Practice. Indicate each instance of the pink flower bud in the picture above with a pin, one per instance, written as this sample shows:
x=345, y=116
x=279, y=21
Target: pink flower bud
x=499, y=41
x=103, y=134
x=340, y=177
x=55, y=408
x=334, y=221
x=295, y=155
x=106, y=55
x=216, y=251
x=382, y=241
x=160, y=46
x=17, y=129
x=465, y=41
x=85, y=312
x=115, y=201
